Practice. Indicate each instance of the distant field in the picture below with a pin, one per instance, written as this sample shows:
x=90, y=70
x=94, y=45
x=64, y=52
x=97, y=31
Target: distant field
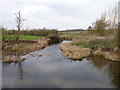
x=78, y=32
x=72, y=35
x=71, y=32
x=22, y=37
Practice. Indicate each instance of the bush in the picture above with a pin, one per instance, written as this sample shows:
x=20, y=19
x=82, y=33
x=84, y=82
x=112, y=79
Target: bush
x=102, y=44
x=54, y=39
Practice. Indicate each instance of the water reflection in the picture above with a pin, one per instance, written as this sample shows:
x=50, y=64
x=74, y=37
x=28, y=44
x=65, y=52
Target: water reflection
x=18, y=67
x=114, y=73
x=20, y=70
x=54, y=70
x=111, y=68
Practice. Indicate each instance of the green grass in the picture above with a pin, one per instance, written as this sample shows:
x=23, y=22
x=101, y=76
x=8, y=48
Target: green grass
x=72, y=35
x=28, y=37
x=97, y=44
x=21, y=37
x=71, y=32
x=83, y=44
x=102, y=44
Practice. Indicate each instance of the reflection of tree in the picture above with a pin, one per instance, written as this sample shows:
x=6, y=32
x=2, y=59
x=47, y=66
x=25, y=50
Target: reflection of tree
x=20, y=70
x=111, y=68
x=114, y=72
x=20, y=67
x=98, y=62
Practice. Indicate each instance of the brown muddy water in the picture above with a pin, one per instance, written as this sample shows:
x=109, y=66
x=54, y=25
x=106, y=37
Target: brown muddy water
x=54, y=70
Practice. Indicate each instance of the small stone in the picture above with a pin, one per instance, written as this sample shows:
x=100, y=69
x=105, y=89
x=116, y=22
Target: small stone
x=39, y=54
x=22, y=58
x=33, y=55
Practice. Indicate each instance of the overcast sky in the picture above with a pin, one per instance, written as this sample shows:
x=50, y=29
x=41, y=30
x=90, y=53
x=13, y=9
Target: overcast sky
x=57, y=14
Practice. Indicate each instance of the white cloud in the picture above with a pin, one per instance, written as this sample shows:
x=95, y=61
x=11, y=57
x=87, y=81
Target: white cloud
x=60, y=14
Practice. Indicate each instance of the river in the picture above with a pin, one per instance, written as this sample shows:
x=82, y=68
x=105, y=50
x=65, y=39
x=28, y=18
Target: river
x=54, y=70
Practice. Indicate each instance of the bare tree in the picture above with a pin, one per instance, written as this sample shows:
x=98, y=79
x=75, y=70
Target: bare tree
x=107, y=20
x=19, y=22
x=112, y=18
x=100, y=23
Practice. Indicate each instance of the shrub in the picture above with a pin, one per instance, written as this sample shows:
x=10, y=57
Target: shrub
x=54, y=39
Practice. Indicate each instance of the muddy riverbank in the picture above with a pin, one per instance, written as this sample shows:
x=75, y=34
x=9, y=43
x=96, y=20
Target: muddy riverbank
x=12, y=52
x=77, y=52
x=73, y=52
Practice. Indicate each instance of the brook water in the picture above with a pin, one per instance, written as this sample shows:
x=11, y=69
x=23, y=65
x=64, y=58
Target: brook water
x=54, y=70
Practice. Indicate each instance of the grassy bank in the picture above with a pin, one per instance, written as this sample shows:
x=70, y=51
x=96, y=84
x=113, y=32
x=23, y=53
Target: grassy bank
x=13, y=50
x=105, y=45
x=18, y=49
x=92, y=39
x=74, y=52
x=21, y=37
